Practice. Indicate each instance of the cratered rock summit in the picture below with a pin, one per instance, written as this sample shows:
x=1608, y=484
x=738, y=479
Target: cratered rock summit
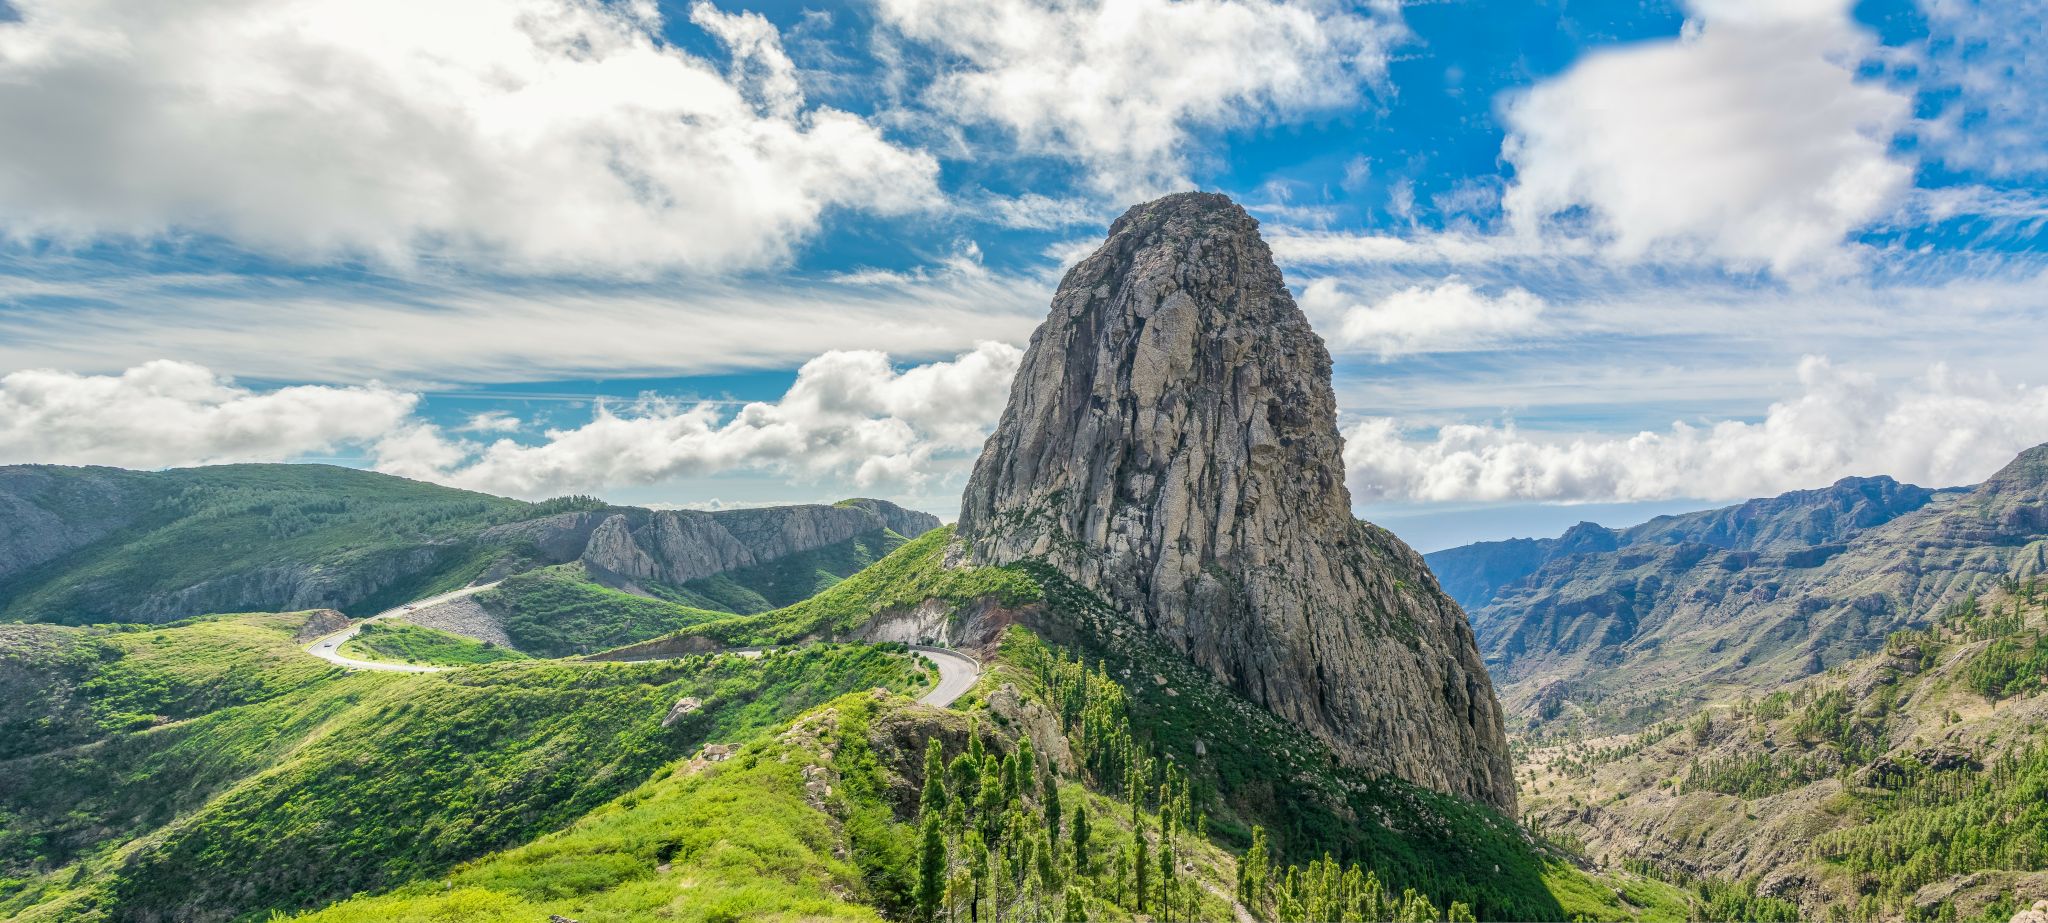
x=1171, y=443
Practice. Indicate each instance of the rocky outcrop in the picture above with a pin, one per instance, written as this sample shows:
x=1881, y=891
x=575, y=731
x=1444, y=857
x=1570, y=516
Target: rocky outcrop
x=678, y=546
x=463, y=616
x=907, y=523
x=1171, y=443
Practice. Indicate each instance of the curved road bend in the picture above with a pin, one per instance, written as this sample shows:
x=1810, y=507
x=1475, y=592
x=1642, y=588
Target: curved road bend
x=328, y=647
x=957, y=672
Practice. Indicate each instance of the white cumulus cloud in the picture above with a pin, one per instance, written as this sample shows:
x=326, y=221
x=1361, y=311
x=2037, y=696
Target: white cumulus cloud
x=1750, y=140
x=1943, y=428
x=849, y=414
x=528, y=135
x=1120, y=85
x=166, y=414
x=1448, y=316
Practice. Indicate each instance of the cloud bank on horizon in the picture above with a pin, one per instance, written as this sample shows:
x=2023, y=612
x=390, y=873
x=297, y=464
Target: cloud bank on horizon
x=1552, y=269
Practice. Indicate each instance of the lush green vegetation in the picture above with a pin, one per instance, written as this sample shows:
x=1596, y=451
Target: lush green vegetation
x=786, y=580
x=1757, y=775
x=400, y=642
x=1926, y=825
x=83, y=685
x=912, y=574
x=292, y=783
x=231, y=523
x=2008, y=667
x=558, y=612
x=1247, y=768
x=741, y=842
x=873, y=807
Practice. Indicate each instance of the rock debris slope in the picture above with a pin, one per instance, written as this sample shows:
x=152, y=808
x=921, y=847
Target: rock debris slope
x=1171, y=443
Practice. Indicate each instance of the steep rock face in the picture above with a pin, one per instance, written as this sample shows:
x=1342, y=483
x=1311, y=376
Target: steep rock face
x=1171, y=443
x=678, y=546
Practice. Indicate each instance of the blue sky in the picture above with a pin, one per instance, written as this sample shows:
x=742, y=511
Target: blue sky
x=1574, y=260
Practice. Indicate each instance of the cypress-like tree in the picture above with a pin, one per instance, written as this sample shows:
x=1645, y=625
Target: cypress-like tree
x=1141, y=870
x=933, y=801
x=1052, y=808
x=1081, y=838
x=1027, y=767
x=965, y=773
x=990, y=806
x=931, y=870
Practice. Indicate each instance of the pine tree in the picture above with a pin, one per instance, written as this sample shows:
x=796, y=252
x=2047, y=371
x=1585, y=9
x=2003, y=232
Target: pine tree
x=1140, y=873
x=965, y=776
x=1166, y=877
x=1052, y=808
x=1027, y=767
x=1081, y=838
x=977, y=867
x=990, y=807
x=931, y=877
x=1253, y=870
x=933, y=802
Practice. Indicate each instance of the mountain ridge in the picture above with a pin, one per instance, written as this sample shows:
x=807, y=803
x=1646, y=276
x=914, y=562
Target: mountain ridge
x=1754, y=594
x=97, y=544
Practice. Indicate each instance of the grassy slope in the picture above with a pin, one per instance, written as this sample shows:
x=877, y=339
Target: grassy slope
x=233, y=521
x=1835, y=786
x=297, y=784
x=1255, y=769
x=403, y=643
x=786, y=580
x=746, y=839
x=558, y=611
x=910, y=575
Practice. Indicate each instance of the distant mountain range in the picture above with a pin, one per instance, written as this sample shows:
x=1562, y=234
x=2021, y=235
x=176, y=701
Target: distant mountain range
x=1619, y=624
x=80, y=545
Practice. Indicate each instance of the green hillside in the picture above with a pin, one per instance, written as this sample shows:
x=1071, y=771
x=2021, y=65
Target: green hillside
x=560, y=611
x=399, y=642
x=786, y=580
x=1244, y=768
x=877, y=808
x=217, y=538
x=213, y=770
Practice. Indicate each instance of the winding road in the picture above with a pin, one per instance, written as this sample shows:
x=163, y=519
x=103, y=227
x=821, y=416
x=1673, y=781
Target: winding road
x=957, y=671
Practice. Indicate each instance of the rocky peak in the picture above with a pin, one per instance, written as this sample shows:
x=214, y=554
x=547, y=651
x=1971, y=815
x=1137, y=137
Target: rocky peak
x=1171, y=443
x=1586, y=538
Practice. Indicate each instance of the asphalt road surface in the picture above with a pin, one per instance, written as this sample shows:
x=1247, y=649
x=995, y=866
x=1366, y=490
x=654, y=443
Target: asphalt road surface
x=957, y=672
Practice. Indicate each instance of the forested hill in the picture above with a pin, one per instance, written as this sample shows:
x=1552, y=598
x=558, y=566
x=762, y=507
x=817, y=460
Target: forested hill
x=81, y=545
